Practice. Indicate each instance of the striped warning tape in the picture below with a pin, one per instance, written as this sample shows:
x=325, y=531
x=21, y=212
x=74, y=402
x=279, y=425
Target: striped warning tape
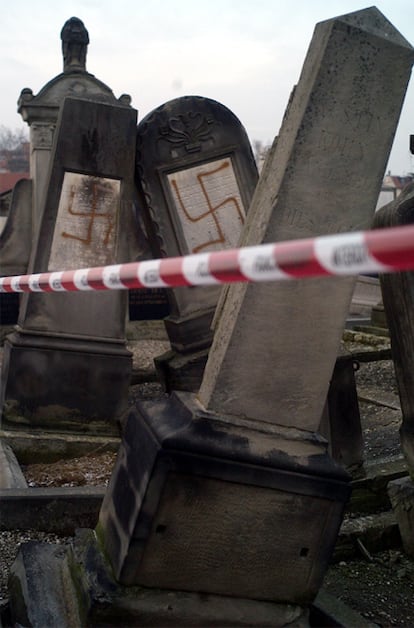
x=377, y=251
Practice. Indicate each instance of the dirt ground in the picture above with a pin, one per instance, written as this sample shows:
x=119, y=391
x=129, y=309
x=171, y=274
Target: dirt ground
x=379, y=586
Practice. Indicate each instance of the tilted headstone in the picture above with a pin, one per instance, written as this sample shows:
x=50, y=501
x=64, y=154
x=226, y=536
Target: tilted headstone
x=232, y=491
x=67, y=365
x=328, y=167
x=197, y=173
x=398, y=298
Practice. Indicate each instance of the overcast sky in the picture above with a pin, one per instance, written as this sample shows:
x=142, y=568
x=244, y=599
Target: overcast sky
x=247, y=54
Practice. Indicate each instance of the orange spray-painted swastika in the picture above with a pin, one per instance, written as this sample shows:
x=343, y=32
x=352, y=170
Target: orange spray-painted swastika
x=211, y=210
x=94, y=192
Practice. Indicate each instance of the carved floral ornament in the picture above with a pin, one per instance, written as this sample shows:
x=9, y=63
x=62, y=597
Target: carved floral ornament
x=189, y=130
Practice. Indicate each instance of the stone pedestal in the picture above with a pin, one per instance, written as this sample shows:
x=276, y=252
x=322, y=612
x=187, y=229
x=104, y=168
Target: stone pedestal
x=64, y=382
x=191, y=336
x=202, y=502
x=77, y=585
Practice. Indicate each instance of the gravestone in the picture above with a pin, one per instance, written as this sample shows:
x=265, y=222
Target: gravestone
x=40, y=111
x=66, y=365
x=398, y=299
x=197, y=175
x=232, y=491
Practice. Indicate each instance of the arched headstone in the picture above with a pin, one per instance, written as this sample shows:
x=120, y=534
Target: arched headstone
x=197, y=174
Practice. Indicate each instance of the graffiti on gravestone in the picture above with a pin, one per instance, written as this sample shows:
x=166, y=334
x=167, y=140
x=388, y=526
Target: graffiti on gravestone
x=86, y=224
x=196, y=175
x=209, y=206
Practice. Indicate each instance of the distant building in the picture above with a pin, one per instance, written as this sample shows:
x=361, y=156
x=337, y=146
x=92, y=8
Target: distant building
x=14, y=165
x=392, y=187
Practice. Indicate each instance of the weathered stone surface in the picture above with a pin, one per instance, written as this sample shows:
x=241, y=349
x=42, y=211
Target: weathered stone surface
x=42, y=593
x=376, y=532
x=11, y=475
x=275, y=344
x=191, y=490
x=398, y=299
x=58, y=510
x=45, y=578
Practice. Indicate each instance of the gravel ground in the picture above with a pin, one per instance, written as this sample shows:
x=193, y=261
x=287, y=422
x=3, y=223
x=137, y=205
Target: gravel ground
x=379, y=587
x=380, y=422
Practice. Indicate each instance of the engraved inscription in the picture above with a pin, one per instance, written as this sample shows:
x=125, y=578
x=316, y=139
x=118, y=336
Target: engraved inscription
x=209, y=205
x=85, y=230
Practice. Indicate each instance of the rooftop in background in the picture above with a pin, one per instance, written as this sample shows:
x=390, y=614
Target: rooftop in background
x=9, y=179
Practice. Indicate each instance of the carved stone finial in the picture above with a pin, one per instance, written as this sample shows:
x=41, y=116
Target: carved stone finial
x=75, y=40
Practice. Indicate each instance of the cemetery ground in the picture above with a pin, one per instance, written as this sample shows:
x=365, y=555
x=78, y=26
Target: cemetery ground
x=375, y=579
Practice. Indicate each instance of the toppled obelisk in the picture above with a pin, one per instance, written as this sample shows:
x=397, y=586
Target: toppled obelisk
x=232, y=491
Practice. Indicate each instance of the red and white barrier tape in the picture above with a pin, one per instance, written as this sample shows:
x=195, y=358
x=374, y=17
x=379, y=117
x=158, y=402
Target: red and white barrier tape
x=377, y=251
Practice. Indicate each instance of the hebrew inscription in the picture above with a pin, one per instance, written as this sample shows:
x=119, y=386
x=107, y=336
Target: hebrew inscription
x=209, y=206
x=86, y=223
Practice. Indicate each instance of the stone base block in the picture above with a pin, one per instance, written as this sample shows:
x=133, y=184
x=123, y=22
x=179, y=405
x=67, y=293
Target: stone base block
x=378, y=316
x=197, y=503
x=76, y=586
x=401, y=493
x=41, y=591
x=62, y=383
x=190, y=333
x=179, y=371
